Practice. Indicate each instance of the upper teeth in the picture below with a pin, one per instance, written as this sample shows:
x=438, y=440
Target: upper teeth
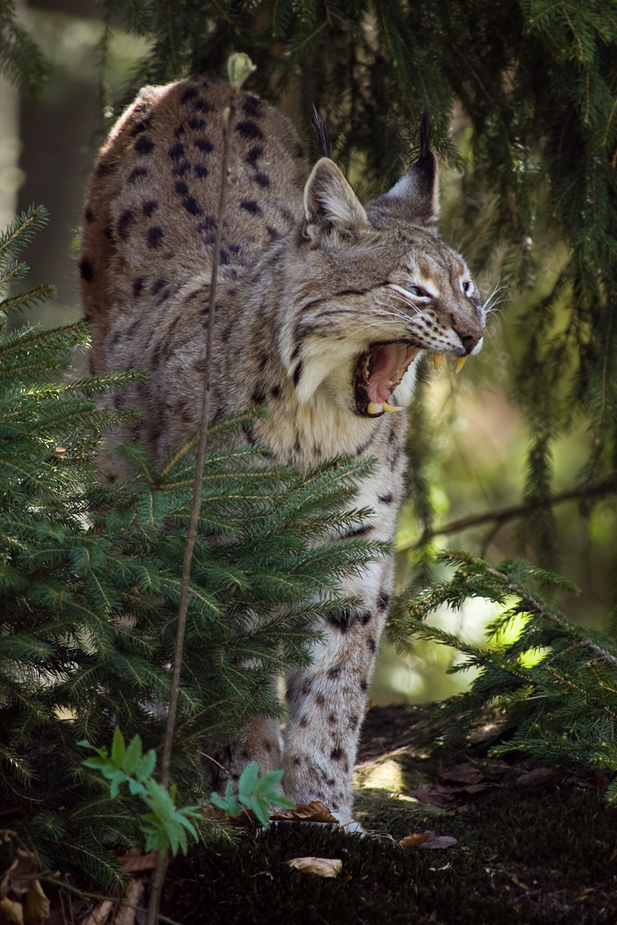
x=438, y=359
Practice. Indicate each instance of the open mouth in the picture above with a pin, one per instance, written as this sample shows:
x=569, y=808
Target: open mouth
x=378, y=372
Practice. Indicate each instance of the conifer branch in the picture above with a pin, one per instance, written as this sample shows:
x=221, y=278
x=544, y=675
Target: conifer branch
x=501, y=516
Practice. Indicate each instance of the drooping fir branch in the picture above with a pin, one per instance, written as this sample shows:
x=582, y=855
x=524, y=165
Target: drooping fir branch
x=12, y=240
x=21, y=60
x=554, y=685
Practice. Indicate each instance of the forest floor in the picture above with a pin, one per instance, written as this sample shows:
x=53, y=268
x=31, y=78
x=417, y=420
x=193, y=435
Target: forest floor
x=513, y=844
x=484, y=842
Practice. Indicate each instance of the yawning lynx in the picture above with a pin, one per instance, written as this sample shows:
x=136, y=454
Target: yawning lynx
x=323, y=306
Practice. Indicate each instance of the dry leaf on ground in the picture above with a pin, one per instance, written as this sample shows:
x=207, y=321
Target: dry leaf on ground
x=435, y=794
x=427, y=840
x=443, y=795
x=99, y=914
x=132, y=896
x=135, y=862
x=322, y=867
x=34, y=906
x=439, y=841
x=539, y=779
x=464, y=773
x=24, y=865
x=415, y=840
x=316, y=811
x=11, y=911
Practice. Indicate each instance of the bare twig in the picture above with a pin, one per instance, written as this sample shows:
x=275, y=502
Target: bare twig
x=159, y=872
x=500, y=516
x=47, y=877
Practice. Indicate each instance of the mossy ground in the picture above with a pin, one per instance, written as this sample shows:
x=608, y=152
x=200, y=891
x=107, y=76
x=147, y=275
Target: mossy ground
x=533, y=856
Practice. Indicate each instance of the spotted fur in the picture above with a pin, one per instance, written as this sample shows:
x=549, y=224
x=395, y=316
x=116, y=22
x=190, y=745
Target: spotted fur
x=322, y=307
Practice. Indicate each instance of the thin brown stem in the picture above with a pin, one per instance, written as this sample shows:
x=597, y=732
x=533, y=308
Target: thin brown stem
x=500, y=516
x=158, y=875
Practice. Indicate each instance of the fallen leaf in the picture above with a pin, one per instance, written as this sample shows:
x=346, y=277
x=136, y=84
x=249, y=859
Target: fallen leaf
x=322, y=867
x=539, y=779
x=24, y=864
x=99, y=914
x=36, y=905
x=486, y=732
x=474, y=788
x=443, y=795
x=414, y=841
x=435, y=794
x=518, y=882
x=462, y=774
x=439, y=841
x=315, y=811
x=126, y=911
x=136, y=862
x=11, y=911
x=34, y=908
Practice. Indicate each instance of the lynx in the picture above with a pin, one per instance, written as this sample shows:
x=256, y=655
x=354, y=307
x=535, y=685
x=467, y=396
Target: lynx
x=323, y=305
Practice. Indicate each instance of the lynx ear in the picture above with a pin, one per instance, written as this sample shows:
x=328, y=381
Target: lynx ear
x=330, y=205
x=415, y=198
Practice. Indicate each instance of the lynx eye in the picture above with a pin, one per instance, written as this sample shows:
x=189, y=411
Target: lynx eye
x=414, y=292
x=418, y=291
x=469, y=288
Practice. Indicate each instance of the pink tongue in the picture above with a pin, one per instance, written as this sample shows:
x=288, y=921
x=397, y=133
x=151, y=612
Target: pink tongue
x=389, y=366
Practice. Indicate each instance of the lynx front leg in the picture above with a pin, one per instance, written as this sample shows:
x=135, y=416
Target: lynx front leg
x=327, y=702
x=259, y=740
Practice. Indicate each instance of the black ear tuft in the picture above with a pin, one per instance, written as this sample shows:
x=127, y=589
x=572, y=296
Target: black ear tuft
x=415, y=198
x=320, y=127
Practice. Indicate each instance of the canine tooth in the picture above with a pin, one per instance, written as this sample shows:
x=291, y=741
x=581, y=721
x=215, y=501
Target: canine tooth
x=391, y=408
x=374, y=409
x=437, y=360
x=460, y=363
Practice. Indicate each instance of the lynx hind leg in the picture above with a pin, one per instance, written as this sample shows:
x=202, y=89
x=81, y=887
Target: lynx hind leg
x=259, y=740
x=327, y=702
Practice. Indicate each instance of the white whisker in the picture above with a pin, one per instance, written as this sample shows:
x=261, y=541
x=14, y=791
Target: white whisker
x=410, y=304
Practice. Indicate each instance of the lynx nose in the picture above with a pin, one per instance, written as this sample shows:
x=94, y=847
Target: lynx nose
x=470, y=338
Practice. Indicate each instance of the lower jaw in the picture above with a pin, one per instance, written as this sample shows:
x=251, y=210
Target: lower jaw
x=370, y=409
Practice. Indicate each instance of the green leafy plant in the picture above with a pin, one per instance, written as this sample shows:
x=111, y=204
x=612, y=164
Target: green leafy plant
x=255, y=794
x=165, y=826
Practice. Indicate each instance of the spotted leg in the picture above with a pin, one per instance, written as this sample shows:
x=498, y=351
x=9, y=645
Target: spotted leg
x=327, y=700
